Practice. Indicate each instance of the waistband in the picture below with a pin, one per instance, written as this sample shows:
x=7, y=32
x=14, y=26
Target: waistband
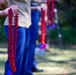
x=35, y=4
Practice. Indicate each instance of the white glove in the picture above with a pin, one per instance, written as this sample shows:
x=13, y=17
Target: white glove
x=39, y=8
x=44, y=6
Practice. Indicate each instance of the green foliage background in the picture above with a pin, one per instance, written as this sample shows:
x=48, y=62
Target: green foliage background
x=2, y=34
x=67, y=21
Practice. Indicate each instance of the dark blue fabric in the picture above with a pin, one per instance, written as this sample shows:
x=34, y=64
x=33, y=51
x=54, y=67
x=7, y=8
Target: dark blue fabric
x=21, y=52
x=35, y=16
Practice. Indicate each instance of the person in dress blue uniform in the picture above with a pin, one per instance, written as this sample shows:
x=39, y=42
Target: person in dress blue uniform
x=35, y=17
x=23, y=37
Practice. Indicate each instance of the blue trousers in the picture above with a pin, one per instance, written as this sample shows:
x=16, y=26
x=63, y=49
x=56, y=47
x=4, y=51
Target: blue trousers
x=35, y=16
x=21, y=52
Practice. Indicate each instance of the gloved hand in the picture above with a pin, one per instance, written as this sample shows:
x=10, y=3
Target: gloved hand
x=44, y=6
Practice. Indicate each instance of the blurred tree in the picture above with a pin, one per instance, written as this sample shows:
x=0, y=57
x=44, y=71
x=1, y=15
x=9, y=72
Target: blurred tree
x=67, y=20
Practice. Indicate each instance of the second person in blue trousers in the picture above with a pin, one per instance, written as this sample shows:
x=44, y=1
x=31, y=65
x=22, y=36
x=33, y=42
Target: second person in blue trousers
x=35, y=17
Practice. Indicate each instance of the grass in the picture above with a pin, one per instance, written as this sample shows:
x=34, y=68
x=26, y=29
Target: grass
x=55, y=62
x=58, y=62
